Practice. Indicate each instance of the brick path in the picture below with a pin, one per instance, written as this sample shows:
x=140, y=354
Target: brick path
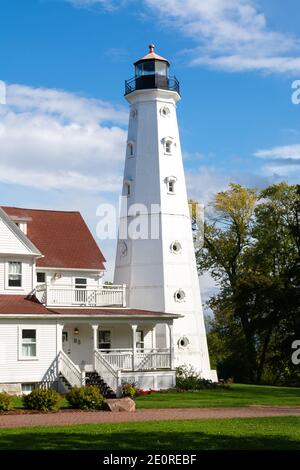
x=69, y=417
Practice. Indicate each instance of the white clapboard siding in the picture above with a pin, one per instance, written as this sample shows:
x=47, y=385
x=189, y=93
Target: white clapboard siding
x=12, y=369
x=68, y=277
x=9, y=242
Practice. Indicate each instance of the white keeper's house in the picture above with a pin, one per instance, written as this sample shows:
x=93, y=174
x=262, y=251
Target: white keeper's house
x=60, y=325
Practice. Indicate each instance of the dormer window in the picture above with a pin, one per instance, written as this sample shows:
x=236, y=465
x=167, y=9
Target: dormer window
x=22, y=226
x=170, y=182
x=168, y=143
x=130, y=149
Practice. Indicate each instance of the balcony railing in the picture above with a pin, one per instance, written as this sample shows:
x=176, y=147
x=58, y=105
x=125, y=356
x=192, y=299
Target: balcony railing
x=70, y=296
x=152, y=81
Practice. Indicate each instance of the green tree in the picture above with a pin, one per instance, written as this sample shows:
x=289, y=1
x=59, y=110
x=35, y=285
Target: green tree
x=251, y=249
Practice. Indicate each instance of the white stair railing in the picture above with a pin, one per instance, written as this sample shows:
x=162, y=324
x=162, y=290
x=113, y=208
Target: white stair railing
x=69, y=370
x=110, y=375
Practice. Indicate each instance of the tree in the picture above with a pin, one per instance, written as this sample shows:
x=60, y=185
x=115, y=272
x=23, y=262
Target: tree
x=251, y=249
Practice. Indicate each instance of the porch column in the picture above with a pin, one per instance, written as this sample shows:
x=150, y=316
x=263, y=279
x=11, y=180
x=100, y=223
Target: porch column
x=171, y=335
x=133, y=328
x=154, y=337
x=59, y=330
x=95, y=334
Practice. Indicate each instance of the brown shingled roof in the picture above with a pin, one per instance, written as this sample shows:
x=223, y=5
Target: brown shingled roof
x=20, y=305
x=62, y=237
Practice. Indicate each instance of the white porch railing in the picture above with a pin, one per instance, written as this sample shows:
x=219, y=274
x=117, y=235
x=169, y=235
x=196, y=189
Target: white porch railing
x=69, y=296
x=69, y=370
x=109, y=374
x=147, y=359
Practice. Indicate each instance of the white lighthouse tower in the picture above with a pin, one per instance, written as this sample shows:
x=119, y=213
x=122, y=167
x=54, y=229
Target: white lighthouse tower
x=155, y=258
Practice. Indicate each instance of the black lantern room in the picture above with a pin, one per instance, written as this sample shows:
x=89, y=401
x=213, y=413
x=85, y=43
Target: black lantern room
x=151, y=71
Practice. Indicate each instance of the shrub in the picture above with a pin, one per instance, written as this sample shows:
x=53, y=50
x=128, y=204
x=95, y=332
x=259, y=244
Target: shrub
x=42, y=400
x=187, y=378
x=85, y=398
x=129, y=390
x=6, y=402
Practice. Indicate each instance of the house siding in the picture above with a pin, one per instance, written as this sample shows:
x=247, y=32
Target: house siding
x=14, y=370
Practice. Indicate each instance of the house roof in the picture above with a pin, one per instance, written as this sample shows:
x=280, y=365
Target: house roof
x=20, y=305
x=62, y=237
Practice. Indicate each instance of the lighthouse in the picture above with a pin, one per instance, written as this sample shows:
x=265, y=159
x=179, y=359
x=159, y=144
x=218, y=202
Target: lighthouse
x=155, y=252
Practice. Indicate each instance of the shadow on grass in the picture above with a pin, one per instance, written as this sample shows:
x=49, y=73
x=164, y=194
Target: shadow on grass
x=145, y=441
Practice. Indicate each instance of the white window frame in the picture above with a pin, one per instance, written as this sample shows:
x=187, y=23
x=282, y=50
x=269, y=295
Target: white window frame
x=20, y=349
x=128, y=188
x=7, y=273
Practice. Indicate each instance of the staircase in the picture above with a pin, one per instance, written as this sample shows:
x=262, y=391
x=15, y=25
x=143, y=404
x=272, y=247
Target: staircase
x=67, y=386
x=92, y=378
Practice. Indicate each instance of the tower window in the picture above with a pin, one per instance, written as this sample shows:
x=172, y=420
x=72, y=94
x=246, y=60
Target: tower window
x=130, y=149
x=127, y=188
x=179, y=295
x=170, y=182
x=176, y=247
x=168, y=147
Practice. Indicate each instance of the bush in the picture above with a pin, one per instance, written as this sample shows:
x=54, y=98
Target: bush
x=129, y=390
x=6, y=402
x=85, y=398
x=187, y=378
x=42, y=400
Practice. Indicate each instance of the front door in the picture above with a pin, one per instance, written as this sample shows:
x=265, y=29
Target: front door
x=66, y=341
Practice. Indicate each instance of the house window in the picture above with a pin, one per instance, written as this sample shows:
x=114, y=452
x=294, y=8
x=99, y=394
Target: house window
x=140, y=340
x=41, y=277
x=15, y=274
x=80, y=292
x=104, y=339
x=27, y=387
x=28, y=343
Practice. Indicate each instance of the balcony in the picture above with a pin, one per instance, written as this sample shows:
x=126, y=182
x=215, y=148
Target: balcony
x=152, y=81
x=91, y=296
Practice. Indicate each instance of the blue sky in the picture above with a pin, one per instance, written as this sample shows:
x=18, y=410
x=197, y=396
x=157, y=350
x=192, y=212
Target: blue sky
x=63, y=127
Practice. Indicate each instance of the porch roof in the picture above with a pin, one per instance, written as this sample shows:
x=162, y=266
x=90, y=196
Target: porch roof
x=20, y=305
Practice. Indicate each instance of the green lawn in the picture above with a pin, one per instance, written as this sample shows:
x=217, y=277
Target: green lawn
x=236, y=395
x=259, y=433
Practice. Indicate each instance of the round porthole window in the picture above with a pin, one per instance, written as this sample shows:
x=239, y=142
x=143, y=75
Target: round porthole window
x=179, y=295
x=183, y=342
x=176, y=247
x=165, y=111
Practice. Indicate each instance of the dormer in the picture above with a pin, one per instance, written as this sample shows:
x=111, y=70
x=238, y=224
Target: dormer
x=21, y=222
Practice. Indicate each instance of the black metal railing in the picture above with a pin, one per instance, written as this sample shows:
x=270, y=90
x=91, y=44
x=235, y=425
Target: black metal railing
x=152, y=81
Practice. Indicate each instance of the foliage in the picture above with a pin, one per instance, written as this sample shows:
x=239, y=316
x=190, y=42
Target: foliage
x=140, y=392
x=187, y=378
x=42, y=400
x=251, y=249
x=6, y=402
x=129, y=390
x=85, y=398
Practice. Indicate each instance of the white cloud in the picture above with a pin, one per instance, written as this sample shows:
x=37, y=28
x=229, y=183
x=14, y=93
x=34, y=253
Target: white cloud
x=285, y=152
x=52, y=139
x=109, y=5
x=231, y=35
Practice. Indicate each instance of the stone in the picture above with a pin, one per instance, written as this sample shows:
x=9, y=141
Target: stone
x=119, y=404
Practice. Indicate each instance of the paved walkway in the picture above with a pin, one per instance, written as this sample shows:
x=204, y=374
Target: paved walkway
x=69, y=417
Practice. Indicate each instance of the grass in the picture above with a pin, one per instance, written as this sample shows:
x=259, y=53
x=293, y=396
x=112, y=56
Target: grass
x=236, y=395
x=260, y=433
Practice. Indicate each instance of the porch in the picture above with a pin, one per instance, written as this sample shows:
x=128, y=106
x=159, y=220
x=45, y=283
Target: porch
x=103, y=348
